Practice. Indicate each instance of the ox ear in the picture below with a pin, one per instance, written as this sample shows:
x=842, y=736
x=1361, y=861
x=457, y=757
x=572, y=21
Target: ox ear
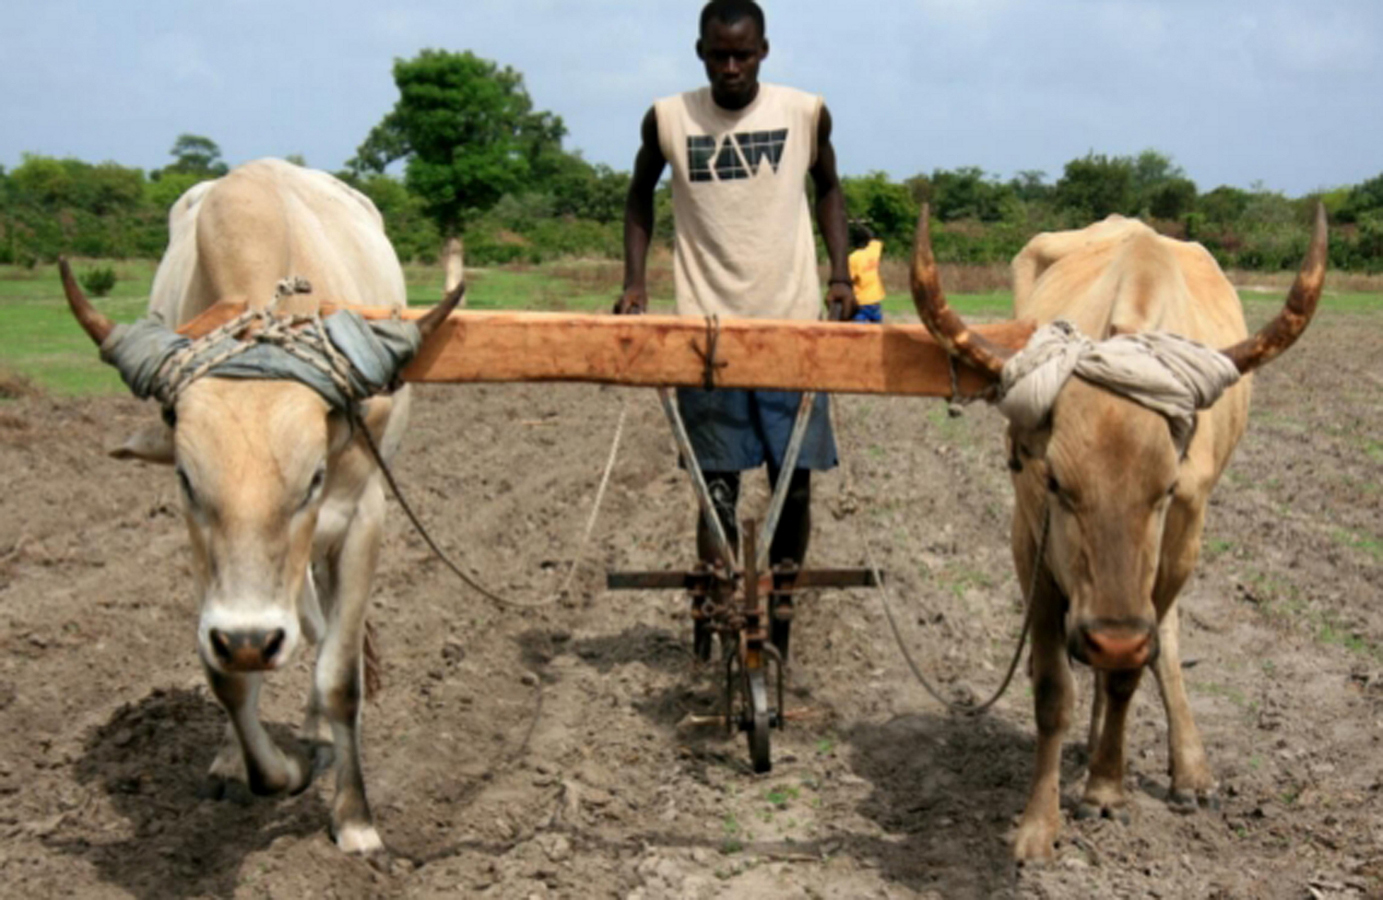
x=153, y=443
x=376, y=414
x=1027, y=445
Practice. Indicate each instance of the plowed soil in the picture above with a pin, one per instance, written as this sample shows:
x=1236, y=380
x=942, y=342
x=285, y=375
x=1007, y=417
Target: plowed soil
x=548, y=753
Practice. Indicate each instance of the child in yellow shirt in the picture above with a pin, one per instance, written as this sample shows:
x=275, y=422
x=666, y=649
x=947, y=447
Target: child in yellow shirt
x=864, y=272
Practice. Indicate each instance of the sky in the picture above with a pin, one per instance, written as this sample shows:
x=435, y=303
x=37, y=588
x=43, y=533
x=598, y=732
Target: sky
x=1284, y=94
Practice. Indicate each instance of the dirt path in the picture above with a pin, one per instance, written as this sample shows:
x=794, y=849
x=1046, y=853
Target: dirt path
x=541, y=754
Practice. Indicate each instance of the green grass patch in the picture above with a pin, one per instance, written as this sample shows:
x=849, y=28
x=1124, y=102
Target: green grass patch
x=1217, y=547
x=1266, y=302
x=1359, y=540
x=1233, y=695
x=959, y=578
x=994, y=304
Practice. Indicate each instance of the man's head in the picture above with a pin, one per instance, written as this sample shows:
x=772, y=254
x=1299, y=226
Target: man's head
x=732, y=45
x=860, y=234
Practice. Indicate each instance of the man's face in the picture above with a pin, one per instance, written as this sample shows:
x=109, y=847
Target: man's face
x=732, y=54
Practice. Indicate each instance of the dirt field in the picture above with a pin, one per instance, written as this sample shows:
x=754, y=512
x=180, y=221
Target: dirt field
x=542, y=754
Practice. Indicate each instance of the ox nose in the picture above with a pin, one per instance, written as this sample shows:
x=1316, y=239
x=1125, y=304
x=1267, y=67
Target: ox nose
x=1116, y=647
x=246, y=651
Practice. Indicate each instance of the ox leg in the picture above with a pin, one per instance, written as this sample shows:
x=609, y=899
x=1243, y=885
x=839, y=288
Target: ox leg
x=315, y=731
x=1053, y=693
x=1097, y=689
x=268, y=770
x=1192, y=780
x=1104, y=791
x=340, y=677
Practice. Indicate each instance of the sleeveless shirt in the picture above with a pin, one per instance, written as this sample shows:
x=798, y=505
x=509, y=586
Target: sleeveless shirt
x=744, y=244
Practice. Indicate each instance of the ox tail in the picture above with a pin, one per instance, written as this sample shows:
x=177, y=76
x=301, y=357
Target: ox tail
x=374, y=667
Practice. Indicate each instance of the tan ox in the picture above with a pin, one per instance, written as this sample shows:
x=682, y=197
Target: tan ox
x=283, y=503
x=1126, y=509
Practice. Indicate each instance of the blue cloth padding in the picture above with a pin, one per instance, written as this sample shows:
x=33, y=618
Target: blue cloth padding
x=139, y=350
x=733, y=430
x=377, y=351
x=869, y=312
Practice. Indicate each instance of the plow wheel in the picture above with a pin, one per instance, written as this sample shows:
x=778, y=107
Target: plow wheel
x=758, y=722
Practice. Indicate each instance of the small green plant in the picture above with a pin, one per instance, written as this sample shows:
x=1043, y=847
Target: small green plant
x=731, y=841
x=1217, y=547
x=99, y=281
x=1359, y=540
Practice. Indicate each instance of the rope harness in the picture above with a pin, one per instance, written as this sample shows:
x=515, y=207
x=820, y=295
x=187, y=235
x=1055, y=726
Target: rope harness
x=344, y=359
x=966, y=709
x=1163, y=372
x=471, y=582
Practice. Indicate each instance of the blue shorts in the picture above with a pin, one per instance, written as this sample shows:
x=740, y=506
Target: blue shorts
x=732, y=431
x=869, y=312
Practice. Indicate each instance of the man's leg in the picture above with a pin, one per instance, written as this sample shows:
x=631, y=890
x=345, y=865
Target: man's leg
x=789, y=546
x=725, y=495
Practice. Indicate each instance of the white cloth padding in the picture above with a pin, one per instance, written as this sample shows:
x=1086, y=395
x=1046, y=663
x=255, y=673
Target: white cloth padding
x=1166, y=373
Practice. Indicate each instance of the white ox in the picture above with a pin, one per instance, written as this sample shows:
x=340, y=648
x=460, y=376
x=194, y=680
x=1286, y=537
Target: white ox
x=1126, y=506
x=283, y=503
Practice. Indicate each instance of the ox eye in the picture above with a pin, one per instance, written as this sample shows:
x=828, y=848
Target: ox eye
x=1053, y=485
x=314, y=487
x=186, y=484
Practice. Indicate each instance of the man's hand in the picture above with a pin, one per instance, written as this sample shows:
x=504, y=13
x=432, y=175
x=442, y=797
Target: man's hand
x=840, y=301
x=633, y=302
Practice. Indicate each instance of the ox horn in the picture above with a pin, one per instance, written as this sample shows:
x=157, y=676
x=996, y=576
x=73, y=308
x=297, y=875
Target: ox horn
x=93, y=323
x=438, y=314
x=949, y=329
x=1287, y=326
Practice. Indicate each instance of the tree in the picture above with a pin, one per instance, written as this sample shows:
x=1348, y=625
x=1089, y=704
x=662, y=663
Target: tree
x=1363, y=198
x=889, y=208
x=1223, y=206
x=1030, y=186
x=195, y=155
x=1151, y=169
x=966, y=193
x=1096, y=186
x=468, y=133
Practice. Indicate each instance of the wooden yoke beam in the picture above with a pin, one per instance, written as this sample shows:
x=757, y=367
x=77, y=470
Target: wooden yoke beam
x=838, y=358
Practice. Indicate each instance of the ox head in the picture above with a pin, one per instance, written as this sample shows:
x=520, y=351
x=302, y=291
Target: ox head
x=1103, y=471
x=258, y=464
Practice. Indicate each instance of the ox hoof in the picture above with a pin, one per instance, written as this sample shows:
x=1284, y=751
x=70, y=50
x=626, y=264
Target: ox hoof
x=1192, y=801
x=1034, y=843
x=359, y=840
x=1086, y=811
x=231, y=790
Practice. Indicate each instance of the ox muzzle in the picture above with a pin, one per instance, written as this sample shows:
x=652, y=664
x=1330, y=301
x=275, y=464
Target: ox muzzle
x=1113, y=645
x=236, y=643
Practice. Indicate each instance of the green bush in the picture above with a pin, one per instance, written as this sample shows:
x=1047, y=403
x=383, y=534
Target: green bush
x=98, y=281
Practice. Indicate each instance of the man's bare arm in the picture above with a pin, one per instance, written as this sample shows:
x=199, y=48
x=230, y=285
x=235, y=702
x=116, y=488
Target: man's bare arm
x=638, y=217
x=830, y=218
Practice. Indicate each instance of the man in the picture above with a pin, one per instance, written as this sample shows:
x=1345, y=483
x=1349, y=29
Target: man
x=740, y=153
x=864, y=270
